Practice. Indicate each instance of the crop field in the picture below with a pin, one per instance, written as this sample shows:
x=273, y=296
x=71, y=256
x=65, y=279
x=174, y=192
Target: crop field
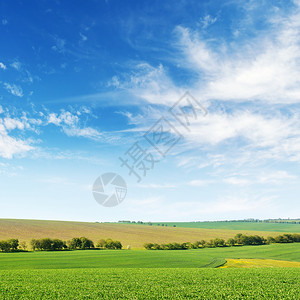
x=250, y=226
x=248, y=272
x=142, y=274
x=259, y=263
x=153, y=283
x=134, y=235
x=198, y=258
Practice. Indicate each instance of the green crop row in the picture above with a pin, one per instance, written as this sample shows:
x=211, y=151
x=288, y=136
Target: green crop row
x=151, y=284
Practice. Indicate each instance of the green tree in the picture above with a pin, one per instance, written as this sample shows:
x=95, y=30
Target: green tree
x=35, y=244
x=4, y=246
x=101, y=243
x=148, y=246
x=46, y=244
x=231, y=242
x=218, y=242
x=74, y=243
x=86, y=243
x=23, y=245
x=14, y=244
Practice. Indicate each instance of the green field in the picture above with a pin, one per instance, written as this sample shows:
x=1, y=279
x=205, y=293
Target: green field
x=142, y=274
x=153, y=283
x=251, y=226
x=198, y=258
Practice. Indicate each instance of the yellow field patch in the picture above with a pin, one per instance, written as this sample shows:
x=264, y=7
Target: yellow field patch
x=260, y=263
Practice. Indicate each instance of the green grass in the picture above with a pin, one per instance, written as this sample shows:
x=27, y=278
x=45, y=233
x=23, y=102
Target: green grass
x=108, y=259
x=141, y=274
x=251, y=226
x=198, y=258
x=151, y=284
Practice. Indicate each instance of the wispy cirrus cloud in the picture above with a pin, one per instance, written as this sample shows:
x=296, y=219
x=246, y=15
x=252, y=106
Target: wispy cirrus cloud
x=264, y=67
x=70, y=125
x=207, y=21
x=11, y=146
x=16, y=65
x=14, y=89
x=238, y=80
x=19, y=132
x=2, y=66
x=59, y=44
x=149, y=83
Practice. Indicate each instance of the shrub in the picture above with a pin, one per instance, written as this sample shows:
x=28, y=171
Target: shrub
x=231, y=242
x=242, y=239
x=148, y=246
x=109, y=244
x=219, y=242
x=101, y=243
x=80, y=243
x=9, y=245
x=47, y=244
x=4, y=246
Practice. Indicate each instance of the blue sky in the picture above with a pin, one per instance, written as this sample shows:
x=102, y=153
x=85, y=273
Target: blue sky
x=81, y=82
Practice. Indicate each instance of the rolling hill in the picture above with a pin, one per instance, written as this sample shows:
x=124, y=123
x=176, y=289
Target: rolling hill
x=128, y=234
x=233, y=225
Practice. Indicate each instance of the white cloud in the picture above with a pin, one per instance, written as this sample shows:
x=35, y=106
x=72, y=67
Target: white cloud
x=87, y=132
x=83, y=37
x=207, y=21
x=11, y=124
x=2, y=66
x=261, y=130
x=4, y=22
x=265, y=68
x=14, y=89
x=149, y=83
x=10, y=146
x=53, y=119
x=16, y=65
x=198, y=55
x=276, y=177
x=60, y=45
x=70, y=124
x=244, y=135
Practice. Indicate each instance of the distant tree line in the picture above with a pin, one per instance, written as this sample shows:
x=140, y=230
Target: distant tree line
x=143, y=223
x=10, y=245
x=251, y=220
x=109, y=244
x=239, y=240
x=47, y=244
x=285, y=221
x=285, y=238
x=77, y=243
x=82, y=243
